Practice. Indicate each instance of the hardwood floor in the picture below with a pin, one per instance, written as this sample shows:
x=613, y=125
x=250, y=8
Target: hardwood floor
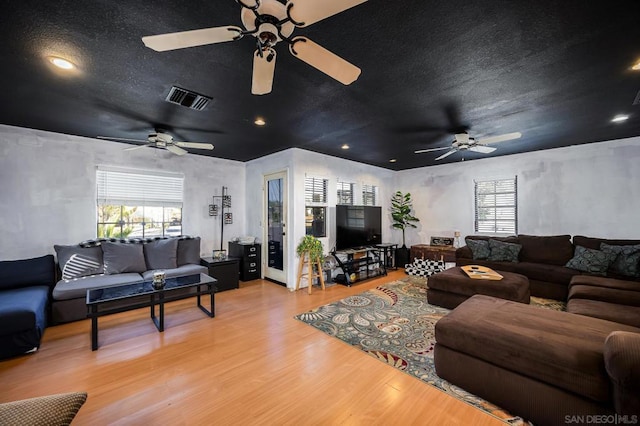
x=251, y=364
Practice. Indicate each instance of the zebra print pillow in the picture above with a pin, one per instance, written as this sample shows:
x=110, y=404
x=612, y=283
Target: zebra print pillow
x=76, y=261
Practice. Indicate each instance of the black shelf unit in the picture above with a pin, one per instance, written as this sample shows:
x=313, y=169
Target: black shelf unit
x=359, y=264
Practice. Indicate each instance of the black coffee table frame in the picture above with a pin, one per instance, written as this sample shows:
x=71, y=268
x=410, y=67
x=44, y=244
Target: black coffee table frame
x=127, y=297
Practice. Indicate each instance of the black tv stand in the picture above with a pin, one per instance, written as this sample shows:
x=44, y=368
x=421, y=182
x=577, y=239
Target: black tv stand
x=359, y=264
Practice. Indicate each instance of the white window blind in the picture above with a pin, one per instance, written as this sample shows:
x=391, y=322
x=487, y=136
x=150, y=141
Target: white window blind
x=124, y=187
x=369, y=195
x=496, y=206
x=345, y=193
x=315, y=190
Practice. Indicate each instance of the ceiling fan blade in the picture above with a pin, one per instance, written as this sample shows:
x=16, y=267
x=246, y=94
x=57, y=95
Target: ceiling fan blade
x=183, y=39
x=422, y=151
x=446, y=154
x=108, y=138
x=133, y=148
x=322, y=59
x=176, y=150
x=306, y=12
x=500, y=138
x=195, y=145
x=482, y=148
x=264, y=68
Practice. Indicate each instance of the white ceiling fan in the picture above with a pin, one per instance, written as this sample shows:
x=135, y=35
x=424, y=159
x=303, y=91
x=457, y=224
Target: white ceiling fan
x=162, y=140
x=463, y=142
x=270, y=22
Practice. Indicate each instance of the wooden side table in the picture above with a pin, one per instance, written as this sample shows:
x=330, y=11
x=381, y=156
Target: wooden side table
x=426, y=251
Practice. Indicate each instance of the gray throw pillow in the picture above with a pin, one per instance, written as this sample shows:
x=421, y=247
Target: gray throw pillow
x=119, y=258
x=189, y=251
x=592, y=261
x=503, y=252
x=627, y=261
x=479, y=248
x=161, y=254
x=76, y=261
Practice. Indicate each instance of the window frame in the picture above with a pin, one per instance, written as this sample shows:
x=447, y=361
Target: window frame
x=341, y=191
x=505, y=194
x=155, y=198
x=316, y=201
x=369, y=192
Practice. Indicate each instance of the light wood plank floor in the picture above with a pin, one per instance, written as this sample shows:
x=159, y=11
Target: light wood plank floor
x=252, y=364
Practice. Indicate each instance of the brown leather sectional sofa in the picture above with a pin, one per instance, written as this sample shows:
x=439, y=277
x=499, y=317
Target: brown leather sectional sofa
x=576, y=367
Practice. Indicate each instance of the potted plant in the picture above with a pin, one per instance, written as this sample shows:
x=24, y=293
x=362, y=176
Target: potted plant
x=402, y=219
x=312, y=246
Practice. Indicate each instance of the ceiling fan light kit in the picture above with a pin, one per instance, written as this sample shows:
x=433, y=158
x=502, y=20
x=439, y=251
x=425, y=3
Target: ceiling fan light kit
x=270, y=22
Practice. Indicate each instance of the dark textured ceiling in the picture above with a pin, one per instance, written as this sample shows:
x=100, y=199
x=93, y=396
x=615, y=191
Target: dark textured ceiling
x=557, y=71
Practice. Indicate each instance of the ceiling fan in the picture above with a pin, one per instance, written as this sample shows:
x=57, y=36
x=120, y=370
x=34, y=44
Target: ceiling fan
x=464, y=142
x=270, y=22
x=162, y=140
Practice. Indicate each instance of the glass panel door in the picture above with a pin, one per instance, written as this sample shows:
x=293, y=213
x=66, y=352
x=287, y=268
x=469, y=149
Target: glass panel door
x=275, y=197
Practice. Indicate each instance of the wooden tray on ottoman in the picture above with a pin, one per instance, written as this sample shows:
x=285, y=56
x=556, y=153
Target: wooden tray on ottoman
x=478, y=272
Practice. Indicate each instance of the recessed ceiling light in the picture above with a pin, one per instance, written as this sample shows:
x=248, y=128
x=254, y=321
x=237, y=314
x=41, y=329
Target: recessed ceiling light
x=620, y=118
x=260, y=121
x=345, y=146
x=636, y=66
x=61, y=63
x=393, y=160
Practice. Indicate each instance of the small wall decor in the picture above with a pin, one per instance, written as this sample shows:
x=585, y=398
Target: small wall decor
x=220, y=203
x=442, y=241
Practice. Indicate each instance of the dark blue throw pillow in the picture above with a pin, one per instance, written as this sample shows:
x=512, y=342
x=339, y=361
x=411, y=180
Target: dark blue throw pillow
x=479, y=248
x=503, y=252
x=592, y=261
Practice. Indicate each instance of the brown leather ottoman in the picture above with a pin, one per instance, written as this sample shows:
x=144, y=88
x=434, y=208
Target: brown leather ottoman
x=452, y=287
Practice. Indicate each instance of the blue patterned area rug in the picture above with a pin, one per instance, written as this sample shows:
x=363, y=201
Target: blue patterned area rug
x=395, y=324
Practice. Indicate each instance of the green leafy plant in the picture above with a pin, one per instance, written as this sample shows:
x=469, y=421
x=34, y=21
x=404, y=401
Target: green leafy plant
x=312, y=246
x=401, y=213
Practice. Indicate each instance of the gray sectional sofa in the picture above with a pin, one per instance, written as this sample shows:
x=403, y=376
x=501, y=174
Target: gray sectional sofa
x=108, y=262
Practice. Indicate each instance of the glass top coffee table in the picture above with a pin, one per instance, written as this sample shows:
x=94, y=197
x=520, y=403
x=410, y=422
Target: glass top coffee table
x=127, y=297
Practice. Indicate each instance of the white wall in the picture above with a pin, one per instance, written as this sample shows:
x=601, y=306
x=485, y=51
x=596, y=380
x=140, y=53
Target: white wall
x=48, y=189
x=300, y=164
x=591, y=190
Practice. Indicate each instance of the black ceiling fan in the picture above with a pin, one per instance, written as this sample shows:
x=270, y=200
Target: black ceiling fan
x=270, y=22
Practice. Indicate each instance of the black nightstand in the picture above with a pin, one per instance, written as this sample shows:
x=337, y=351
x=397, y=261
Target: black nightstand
x=225, y=271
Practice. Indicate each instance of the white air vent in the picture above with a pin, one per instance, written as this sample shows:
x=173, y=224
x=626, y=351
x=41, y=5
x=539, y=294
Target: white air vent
x=187, y=98
x=636, y=101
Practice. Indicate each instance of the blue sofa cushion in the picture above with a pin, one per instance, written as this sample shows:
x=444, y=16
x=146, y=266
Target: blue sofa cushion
x=23, y=313
x=27, y=272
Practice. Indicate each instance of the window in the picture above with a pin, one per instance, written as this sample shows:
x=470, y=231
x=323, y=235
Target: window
x=138, y=203
x=345, y=193
x=496, y=206
x=315, y=195
x=369, y=195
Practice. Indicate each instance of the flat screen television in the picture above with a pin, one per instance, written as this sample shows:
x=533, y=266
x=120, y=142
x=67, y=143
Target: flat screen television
x=358, y=226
